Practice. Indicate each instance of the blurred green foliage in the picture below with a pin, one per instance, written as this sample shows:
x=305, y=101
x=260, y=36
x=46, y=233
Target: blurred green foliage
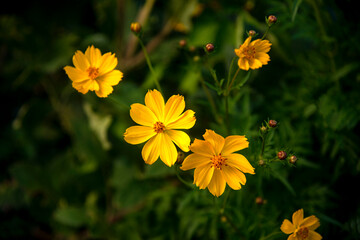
x=66, y=172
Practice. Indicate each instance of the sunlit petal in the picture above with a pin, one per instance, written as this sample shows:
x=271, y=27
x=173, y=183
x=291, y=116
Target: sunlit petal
x=138, y=134
x=216, y=140
x=180, y=138
x=194, y=160
x=155, y=101
x=168, y=152
x=217, y=184
x=151, y=150
x=287, y=227
x=142, y=115
x=173, y=108
x=185, y=121
x=238, y=161
x=233, y=144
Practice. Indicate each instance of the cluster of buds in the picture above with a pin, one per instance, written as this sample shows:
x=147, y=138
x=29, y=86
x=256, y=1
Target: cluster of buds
x=270, y=124
x=282, y=155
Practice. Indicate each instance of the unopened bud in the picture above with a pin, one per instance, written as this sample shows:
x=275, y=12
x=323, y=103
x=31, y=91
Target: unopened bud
x=293, y=159
x=135, y=27
x=263, y=129
x=180, y=157
x=261, y=162
x=272, y=123
x=271, y=19
x=282, y=155
x=252, y=33
x=209, y=47
x=182, y=43
x=259, y=201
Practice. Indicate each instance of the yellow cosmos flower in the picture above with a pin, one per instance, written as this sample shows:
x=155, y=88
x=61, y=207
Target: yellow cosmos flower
x=300, y=228
x=158, y=122
x=253, y=54
x=94, y=72
x=216, y=163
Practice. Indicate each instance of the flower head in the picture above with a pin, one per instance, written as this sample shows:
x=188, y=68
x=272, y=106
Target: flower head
x=300, y=228
x=253, y=54
x=216, y=164
x=158, y=122
x=94, y=72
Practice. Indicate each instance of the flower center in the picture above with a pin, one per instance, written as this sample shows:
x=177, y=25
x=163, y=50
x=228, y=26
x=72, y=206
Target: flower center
x=93, y=72
x=249, y=52
x=218, y=161
x=303, y=233
x=159, y=127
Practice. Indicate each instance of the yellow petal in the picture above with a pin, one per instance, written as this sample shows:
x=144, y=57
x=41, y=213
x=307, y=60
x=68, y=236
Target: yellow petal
x=255, y=64
x=180, y=138
x=203, y=175
x=155, y=101
x=217, y=184
x=107, y=63
x=287, y=227
x=138, y=134
x=104, y=90
x=168, y=152
x=243, y=64
x=298, y=217
x=80, y=61
x=292, y=237
x=151, y=150
x=314, y=235
x=142, y=115
x=233, y=177
x=93, y=55
x=203, y=148
x=216, y=140
x=76, y=75
x=185, y=121
x=194, y=160
x=262, y=46
x=240, y=162
x=234, y=143
x=311, y=222
x=111, y=78
x=79, y=86
x=173, y=108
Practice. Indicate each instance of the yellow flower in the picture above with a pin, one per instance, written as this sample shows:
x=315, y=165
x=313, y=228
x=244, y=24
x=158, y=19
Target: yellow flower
x=158, y=122
x=216, y=163
x=94, y=72
x=253, y=54
x=300, y=228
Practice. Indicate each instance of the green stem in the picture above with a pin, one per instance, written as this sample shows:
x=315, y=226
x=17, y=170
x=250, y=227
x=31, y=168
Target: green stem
x=149, y=64
x=266, y=32
x=182, y=180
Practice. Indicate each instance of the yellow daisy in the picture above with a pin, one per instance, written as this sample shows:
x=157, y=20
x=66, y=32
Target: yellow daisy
x=300, y=228
x=216, y=163
x=94, y=72
x=158, y=122
x=253, y=54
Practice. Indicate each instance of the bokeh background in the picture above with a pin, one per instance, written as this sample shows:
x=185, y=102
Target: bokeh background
x=66, y=172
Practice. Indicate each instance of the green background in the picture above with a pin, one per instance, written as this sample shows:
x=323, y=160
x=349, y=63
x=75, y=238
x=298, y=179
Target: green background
x=67, y=173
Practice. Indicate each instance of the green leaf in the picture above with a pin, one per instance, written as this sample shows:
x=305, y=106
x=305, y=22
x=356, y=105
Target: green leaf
x=71, y=216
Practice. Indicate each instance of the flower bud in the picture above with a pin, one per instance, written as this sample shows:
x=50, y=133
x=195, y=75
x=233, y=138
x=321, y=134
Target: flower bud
x=272, y=123
x=135, y=27
x=271, y=20
x=263, y=129
x=180, y=157
x=293, y=159
x=252, y=33
x=209, y=47
x=261, y=162
x=282, y=155
x=182, y=43
x=260, y=201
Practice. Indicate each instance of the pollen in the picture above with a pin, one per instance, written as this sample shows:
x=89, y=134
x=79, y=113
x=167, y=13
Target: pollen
x=218, y=161
x=249, y=52
x=93, y=72
x=302, y=233
x=159, y=127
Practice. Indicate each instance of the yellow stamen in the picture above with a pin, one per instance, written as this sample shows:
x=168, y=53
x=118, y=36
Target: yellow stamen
x=218, y=161
x=93, y=72
x=159, y=127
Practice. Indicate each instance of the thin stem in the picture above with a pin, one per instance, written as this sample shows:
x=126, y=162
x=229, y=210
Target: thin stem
x=232, y=81
x=266, y=32
x=182, y=180
x=149, y=64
